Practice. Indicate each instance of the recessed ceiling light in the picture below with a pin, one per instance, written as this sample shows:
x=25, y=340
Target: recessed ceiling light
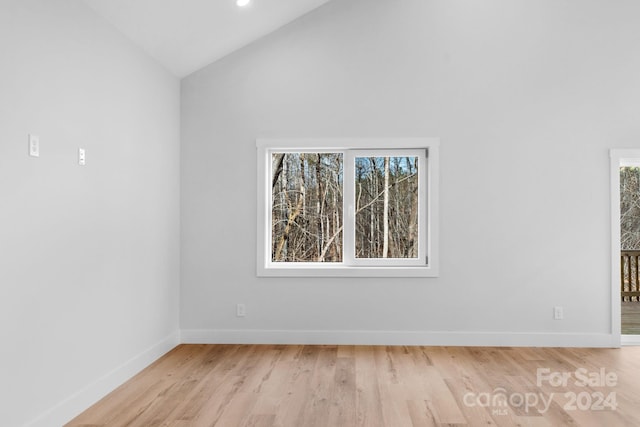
x=243, y=3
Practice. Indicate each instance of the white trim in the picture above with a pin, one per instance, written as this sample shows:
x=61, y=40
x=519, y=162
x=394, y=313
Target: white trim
x=78, y=402
x=427, y=338
x=630, y=340
x=614, y=170
x=433, y=209
x=266, y=268
x=329, y=270
x=630, y=162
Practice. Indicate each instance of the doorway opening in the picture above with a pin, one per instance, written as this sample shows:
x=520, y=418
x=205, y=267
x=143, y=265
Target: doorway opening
x=625, y=245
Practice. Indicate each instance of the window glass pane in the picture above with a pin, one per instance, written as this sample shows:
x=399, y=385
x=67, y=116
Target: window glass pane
x=386, y=207
x=306, y=210
x=630, y=208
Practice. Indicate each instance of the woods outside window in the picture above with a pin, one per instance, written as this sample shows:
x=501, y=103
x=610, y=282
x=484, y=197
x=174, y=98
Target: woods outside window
x=347, y=208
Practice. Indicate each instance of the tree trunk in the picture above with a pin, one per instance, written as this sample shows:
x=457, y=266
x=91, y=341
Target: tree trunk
x=278, y=169
x=303, y=197
x=385, y=215
x=284, y=252
x=319, y=206
x=413, y=214
x=285, y=235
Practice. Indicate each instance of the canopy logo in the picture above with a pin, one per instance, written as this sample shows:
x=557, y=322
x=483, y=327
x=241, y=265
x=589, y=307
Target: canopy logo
x=499, y=400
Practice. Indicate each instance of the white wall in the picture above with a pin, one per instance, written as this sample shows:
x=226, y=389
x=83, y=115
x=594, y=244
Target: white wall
x=527, y=98
x=89, y=256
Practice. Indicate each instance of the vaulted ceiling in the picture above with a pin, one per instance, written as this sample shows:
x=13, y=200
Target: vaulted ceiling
x=186, y=35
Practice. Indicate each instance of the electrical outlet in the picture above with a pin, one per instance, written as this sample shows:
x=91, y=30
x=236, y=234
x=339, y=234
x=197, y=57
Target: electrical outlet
x=241, y=310
x=82, y=157
x=558, y=313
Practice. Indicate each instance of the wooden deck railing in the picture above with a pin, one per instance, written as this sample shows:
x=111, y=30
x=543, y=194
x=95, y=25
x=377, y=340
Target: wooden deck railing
x=630, y=275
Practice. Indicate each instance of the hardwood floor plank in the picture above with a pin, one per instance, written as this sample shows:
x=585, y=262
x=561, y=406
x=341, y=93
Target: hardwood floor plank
x=445, y=403
x=472, y=412
x=320, y=396
x=261, y=420
x=394, y=410
x=422, y=414
x=342, y=411
x=368, y=409
x=290, y=411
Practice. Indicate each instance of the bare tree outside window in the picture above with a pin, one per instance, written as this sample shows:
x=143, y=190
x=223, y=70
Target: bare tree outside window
x=306, y=208
x=386, y=207
x=630, y=208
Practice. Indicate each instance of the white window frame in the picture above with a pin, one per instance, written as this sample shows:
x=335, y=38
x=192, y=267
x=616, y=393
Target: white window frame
x=426, y=265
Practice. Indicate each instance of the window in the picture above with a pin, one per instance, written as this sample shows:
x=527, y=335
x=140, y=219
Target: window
x=347, y=207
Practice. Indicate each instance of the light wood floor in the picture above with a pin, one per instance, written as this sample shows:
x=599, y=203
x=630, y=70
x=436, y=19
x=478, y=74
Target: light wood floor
x=631, y=317
x=297, y=386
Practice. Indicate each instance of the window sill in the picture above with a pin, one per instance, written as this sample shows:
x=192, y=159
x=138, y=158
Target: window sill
x=346, y=271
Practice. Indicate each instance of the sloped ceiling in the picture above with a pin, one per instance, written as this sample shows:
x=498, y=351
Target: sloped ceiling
x=186, y=35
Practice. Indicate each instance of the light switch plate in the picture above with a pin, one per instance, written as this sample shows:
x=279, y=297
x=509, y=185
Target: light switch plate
x=241, y=310
x=34, y=145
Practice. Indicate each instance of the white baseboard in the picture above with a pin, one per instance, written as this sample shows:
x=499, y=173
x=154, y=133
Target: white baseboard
x=630, y=340
x=75, y=404
x=488, y=339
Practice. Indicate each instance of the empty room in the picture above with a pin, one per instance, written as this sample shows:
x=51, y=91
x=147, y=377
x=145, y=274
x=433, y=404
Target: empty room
x=319, y=213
